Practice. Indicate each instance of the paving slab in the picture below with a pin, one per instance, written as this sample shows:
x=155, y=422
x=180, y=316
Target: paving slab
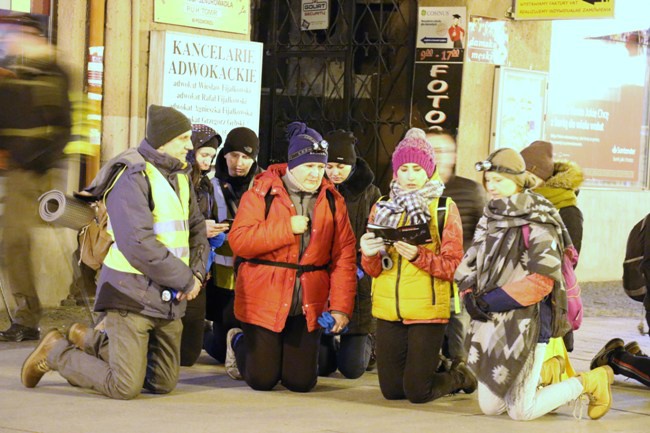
x=207, y=400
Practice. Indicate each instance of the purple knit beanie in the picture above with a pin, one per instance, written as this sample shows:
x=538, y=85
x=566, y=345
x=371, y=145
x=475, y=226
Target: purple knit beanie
x=414, y=149
x=305, y=145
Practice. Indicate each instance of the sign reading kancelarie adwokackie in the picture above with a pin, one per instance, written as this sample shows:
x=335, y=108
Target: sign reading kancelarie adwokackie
x=558, y=9
x=213, y=81
x=225, y=15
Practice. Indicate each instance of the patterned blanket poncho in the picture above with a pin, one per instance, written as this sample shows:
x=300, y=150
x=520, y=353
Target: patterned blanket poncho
x=499, y=348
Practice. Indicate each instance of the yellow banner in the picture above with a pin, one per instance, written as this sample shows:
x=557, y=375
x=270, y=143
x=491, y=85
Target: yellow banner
x=563, y=9
x=224, y=15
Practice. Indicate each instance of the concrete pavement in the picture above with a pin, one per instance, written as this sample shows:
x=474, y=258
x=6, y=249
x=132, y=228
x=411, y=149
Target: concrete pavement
x=207, y=400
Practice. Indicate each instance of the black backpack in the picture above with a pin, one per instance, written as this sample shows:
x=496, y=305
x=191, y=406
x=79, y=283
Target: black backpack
x=634, y=282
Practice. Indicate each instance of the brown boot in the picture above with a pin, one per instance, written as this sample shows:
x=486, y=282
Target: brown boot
x=552, y=370
x=597, y=384
x=35, y=366
x=77, y=335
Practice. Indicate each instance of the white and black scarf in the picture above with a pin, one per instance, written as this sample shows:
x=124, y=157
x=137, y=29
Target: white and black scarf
x=414, y=203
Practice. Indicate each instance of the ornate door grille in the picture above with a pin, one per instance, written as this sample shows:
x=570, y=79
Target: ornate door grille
x=355, y=75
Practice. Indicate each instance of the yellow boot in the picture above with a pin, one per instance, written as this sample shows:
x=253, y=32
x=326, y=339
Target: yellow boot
x=552, y=370
x=596, y=384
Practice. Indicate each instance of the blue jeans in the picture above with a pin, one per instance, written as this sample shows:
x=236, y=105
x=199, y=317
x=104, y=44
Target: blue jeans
x=350, y=356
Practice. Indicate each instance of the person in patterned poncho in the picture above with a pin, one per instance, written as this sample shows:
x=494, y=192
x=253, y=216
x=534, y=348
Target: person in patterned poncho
x=516, y=299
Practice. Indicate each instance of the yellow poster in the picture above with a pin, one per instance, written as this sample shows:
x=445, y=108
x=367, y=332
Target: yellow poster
x=225, y=15
x=563, y=9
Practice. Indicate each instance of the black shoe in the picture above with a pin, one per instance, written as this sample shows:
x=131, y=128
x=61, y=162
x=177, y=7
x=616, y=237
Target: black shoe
x=602, y=357
x=466, y=380
x=18, y=332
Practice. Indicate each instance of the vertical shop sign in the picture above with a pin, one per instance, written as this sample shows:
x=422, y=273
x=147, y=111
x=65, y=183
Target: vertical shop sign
x=213, y=81
x=314, y=14
x=438, y=71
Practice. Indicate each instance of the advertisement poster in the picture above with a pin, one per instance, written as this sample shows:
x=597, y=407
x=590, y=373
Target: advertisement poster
x=519, y=107
x=211, y=80
x=487, y=40
x=438, y=70
x=569, y=9
x=314, y=14
x=225, y=15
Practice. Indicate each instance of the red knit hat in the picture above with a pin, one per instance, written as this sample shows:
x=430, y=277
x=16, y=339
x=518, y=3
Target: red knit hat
x=415, y=150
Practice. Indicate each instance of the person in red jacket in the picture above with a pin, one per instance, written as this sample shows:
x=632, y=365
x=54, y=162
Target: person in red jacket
x=296, y=263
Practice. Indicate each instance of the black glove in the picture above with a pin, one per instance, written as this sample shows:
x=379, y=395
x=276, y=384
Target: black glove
x=476, y=308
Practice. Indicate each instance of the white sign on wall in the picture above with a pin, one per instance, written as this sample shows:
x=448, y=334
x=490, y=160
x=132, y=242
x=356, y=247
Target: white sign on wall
x=213, y=81
x=314, y=14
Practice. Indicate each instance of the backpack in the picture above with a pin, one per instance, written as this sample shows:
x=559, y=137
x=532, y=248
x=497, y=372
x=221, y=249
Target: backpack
x=574, y=301
x=634, y=282
x=94, y=240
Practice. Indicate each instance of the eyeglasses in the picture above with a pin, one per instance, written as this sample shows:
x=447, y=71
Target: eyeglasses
x=317, y=147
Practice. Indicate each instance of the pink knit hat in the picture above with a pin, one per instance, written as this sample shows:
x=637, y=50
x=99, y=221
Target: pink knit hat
x=414, y=149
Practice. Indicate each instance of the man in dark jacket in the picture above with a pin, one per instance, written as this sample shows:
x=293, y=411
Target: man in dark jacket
x=470, y=198
x=34, y=129
x=155, y=265
x=235, y=168
x=353, y=178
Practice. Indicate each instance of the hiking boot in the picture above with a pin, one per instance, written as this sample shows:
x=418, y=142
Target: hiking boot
x=231, y=361
x=77, y=335
x=597, y=385
x=35, y=366
x=602, y=357
x=466, y=380
x=552, y=370
x=633, y=348
x=17, y=332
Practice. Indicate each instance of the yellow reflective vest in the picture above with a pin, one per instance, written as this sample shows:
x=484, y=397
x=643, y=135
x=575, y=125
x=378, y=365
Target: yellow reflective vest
x=170, y=220
x=406, y=292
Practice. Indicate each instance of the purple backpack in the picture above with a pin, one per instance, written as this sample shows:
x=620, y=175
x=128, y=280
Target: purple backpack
x=569, y=260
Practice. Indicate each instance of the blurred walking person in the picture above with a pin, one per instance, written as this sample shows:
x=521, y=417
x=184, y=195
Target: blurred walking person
x=34, y=129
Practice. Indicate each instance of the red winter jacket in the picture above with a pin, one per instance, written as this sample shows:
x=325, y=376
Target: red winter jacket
x=263, y=293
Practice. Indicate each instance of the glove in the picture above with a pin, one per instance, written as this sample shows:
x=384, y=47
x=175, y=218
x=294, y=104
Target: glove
x=217, y=241
x=476, y=308
x=327, y=321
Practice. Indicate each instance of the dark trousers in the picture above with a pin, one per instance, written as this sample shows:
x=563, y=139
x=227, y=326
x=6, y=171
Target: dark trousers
x=221, y=311
x=634, y=367
x=193, y=328
x=407, y=358
x=350, y=356
x=265, y=358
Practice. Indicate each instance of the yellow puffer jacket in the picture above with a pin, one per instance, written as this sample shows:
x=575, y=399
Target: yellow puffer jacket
x=407, y=292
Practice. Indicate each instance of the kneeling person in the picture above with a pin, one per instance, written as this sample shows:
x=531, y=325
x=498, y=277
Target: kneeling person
x=155, y=265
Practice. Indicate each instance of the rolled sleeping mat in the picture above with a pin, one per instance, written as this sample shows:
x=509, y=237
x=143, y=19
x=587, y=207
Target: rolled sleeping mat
x=57, y=208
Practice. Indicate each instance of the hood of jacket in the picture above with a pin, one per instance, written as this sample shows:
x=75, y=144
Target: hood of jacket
x=566, y=175
x=356, y=184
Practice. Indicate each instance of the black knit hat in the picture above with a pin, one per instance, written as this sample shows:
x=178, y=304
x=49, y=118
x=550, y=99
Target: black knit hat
x=242, y=140
x=341, y=147
x=204, y=136
x=164, y=124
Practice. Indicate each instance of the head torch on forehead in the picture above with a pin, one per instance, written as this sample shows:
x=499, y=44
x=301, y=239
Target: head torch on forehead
x=488, y=165
x=316, y=147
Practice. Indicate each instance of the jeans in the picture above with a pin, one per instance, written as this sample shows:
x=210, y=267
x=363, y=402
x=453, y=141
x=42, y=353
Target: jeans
x=143, y=352
x=350, y=355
